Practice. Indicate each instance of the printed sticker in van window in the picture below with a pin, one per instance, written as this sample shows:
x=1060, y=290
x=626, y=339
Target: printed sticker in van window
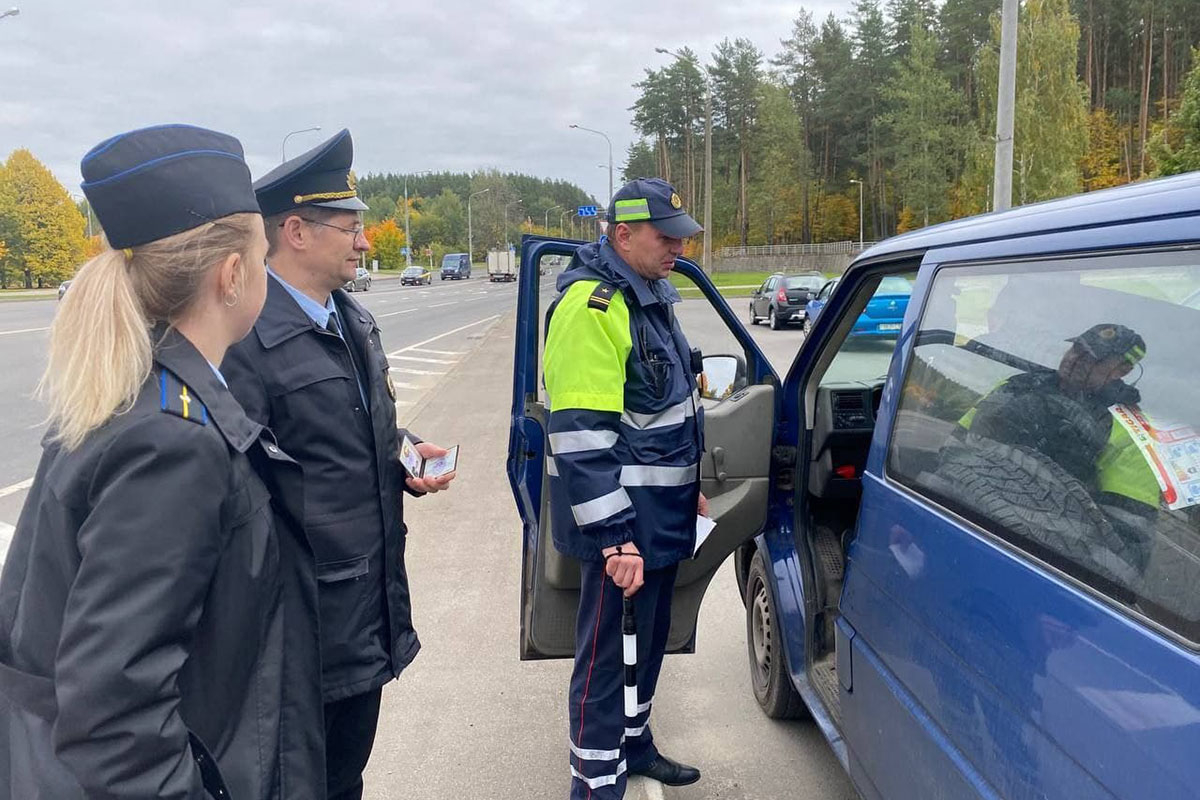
x=1172, y=450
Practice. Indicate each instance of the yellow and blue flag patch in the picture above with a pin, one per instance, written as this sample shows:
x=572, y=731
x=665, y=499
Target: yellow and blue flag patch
x=176, y=398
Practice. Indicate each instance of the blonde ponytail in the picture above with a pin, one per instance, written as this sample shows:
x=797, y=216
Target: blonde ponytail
x=100, y=348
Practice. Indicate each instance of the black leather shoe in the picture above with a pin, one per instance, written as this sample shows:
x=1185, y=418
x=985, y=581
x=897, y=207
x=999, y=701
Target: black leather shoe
x=668, y=772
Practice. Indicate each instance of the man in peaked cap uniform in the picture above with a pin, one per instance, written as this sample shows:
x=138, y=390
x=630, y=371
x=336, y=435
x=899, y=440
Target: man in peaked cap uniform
x=315, y=372
x=626, y=435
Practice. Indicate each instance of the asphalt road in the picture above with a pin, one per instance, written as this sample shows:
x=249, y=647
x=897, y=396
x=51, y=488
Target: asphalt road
x=468, y=719
x=426, y=331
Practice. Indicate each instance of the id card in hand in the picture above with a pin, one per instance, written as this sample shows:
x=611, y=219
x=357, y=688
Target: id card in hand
x=420, y=467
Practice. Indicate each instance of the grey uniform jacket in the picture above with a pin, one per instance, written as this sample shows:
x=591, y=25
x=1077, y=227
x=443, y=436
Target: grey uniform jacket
x=156, y=631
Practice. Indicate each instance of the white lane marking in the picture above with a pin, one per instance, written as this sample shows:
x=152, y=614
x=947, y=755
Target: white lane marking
x=419, y=345
x=423, y=360
x=6, y=532
x=442, y=352
x=409, y=371
x=400, y=385
x=16, y=487
x=23, y=330
x=394, y=313
x=439, y=305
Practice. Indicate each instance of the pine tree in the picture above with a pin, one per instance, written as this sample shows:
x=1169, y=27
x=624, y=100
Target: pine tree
x=925, y=143
x=1178, y=149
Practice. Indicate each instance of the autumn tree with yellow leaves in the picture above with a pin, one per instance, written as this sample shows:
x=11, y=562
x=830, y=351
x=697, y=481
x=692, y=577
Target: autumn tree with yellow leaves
x=41, y=227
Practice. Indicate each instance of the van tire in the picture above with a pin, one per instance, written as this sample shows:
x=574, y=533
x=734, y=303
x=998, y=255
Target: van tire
x=769, y=678
x=1032, y=498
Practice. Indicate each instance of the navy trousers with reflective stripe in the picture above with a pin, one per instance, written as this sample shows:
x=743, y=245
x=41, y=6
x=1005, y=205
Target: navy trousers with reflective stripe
x=602, y=750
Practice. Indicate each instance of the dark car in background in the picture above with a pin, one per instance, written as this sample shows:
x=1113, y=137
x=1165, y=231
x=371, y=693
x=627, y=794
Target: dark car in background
x=456, y=266
x=62, y=288
x=781, y=299
x=416, y=276
x=361, y=281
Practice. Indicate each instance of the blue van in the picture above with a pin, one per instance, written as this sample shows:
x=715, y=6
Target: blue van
x=971, y=553
x=456, y=266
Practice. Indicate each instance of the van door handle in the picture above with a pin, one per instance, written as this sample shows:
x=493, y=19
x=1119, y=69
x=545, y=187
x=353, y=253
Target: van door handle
x=718, y=455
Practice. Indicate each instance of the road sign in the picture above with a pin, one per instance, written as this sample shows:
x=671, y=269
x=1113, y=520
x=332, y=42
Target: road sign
x=403, y=251
x=587, y=211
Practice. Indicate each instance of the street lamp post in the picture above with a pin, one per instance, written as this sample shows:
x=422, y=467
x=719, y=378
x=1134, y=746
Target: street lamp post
x=546, y=218
x=407, y=235
x=561, y=230
x=283, y=145
x=12, y=12
x=860, y=213
x=610, y=161
x=470, y=232
x=706, y=256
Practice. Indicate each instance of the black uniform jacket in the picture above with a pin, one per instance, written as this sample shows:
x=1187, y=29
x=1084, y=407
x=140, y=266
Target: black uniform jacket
x=156, y=636
x=298, y=379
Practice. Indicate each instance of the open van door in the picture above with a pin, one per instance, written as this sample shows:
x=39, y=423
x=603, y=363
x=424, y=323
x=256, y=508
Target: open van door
x=740, y=409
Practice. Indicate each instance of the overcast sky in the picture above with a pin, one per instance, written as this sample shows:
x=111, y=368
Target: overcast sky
x=438, y=84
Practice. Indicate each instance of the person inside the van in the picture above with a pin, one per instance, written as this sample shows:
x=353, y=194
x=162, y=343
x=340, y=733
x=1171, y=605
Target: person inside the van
x=1067, y=415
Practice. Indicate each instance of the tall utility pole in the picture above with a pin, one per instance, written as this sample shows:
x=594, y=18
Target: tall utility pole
x=1006, y=100
x=470, y=233
x=546, y=218
x=860, y=212
x=610, y=161
x=562, y=231
x=706, y=253
x=407, y=236
x=706, y=257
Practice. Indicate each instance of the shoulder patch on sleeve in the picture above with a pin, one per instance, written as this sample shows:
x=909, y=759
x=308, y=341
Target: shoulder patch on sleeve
x=176, y=398
x=601, y=296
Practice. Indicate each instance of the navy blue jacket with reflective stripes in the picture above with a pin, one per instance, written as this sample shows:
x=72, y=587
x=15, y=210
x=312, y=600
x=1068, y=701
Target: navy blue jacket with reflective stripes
x=632, y=475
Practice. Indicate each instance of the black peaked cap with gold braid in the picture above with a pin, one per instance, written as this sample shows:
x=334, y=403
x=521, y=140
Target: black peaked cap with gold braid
x=320, y=177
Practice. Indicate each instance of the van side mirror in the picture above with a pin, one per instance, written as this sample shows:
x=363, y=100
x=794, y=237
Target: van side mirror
x=722, y=376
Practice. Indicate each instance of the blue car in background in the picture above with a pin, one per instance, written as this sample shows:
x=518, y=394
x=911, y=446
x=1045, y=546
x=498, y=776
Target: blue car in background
x=884, y=314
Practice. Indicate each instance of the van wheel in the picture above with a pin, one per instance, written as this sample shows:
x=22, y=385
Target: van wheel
x=807, y=325
x=769, y=678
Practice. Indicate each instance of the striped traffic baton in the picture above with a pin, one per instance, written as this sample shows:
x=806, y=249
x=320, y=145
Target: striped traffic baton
x=629, y=640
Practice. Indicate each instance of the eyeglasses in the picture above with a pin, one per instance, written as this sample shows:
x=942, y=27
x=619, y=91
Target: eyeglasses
x=355, y=232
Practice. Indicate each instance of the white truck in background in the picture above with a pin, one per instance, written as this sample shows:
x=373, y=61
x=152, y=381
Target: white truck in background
x=502, y=265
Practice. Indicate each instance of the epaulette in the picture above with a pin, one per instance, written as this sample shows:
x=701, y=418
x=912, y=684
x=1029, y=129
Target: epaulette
x=176, y=398
x=601, y=296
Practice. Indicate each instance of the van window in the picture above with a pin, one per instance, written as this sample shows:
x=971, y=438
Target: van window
x=1054, y=406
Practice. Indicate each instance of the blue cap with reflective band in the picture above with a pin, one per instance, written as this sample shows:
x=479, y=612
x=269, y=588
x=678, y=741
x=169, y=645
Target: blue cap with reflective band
x=152, y=183
x=655, y=201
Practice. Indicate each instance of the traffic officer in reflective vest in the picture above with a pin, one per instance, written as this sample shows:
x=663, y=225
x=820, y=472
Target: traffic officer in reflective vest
x=314, y=371
x=626, y=439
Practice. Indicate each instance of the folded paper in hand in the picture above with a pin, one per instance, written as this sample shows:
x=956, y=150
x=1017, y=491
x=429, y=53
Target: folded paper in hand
x=704, y=526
